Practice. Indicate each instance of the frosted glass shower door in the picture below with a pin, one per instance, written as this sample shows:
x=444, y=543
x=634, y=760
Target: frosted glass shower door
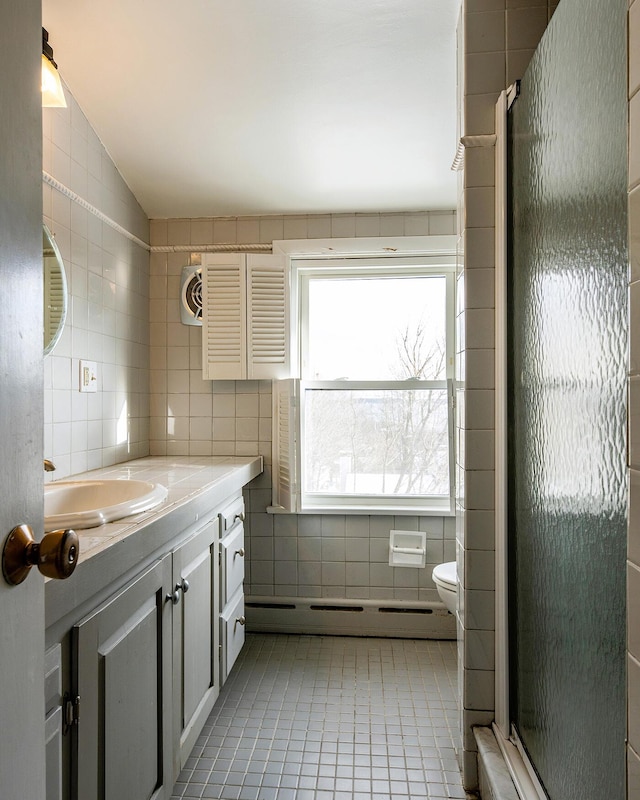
x=567, y=407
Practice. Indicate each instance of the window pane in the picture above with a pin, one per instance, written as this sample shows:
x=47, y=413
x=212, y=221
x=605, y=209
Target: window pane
x=384, y=442
x=376, y=328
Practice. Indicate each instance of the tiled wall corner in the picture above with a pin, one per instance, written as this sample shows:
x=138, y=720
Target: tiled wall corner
x=108, y=321
x=633, y=564
x=288, y=555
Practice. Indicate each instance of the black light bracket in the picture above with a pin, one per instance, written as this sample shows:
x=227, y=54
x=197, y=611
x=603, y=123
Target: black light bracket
x=47, y=50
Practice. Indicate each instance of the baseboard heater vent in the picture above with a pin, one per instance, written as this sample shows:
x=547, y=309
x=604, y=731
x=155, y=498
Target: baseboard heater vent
x=419, y=620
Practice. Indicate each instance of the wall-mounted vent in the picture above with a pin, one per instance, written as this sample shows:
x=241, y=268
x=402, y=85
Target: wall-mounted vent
x=191, y=296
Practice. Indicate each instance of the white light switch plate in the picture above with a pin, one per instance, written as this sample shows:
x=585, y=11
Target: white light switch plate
x=88, y=376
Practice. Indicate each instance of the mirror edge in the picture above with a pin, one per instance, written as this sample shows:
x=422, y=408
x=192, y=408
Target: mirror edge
x=48, y=235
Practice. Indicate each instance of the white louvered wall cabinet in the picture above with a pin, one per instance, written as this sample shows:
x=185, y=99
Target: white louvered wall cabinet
x=245, y=321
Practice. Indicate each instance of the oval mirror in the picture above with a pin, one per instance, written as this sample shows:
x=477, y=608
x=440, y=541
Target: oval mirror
x=55, y=291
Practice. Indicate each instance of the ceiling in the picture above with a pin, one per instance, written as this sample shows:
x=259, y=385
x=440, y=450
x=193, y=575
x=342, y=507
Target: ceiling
x=243, y=107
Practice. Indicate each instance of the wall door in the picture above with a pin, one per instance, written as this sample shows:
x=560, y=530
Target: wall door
x=22, y=749
x=567, y=331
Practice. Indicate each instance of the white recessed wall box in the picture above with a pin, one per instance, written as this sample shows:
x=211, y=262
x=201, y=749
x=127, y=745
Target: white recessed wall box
x=407, y=548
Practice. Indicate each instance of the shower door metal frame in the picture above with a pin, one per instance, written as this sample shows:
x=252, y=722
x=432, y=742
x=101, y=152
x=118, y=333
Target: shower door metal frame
x=516, y=759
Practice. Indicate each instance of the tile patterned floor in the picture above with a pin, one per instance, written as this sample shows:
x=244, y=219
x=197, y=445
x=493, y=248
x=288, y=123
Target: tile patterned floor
x=331, y=718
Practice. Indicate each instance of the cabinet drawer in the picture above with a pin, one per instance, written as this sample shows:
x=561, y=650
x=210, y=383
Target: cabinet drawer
x=232, y=563
x=231, y=514
x=232, y=633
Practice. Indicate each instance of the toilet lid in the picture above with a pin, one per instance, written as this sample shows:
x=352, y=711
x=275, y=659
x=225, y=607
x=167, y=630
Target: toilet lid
x=446, y=573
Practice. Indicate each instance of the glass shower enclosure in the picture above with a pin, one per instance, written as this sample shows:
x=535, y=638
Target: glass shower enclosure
x=566, y=407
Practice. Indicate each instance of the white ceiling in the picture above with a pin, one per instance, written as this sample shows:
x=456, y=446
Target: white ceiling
x=240, y=107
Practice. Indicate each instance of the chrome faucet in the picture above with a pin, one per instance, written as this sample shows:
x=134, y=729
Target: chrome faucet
x=49, y=466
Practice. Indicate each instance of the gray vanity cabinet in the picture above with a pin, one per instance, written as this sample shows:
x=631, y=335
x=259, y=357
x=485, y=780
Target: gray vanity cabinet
x=133, y=658
x=122, y=658
x=147, y=674
x=196, y=673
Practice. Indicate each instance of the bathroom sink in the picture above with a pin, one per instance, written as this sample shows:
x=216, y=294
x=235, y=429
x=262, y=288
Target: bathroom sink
x=85, y=504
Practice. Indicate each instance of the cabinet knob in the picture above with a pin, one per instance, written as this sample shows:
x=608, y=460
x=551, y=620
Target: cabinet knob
x=240, y=621
x=55, y=556
x=239, y=552
x=239, y=516
x=173, y=597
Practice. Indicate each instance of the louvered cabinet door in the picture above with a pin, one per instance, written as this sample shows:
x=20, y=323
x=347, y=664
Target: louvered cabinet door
x=245, y=330
x=224, y=317
x=268, y=317
x=284, y=448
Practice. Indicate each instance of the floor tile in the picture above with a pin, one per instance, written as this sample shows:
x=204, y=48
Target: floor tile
x=331, y=718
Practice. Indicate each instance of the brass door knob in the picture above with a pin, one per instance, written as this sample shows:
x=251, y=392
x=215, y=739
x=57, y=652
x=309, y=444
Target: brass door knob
x=56, y=555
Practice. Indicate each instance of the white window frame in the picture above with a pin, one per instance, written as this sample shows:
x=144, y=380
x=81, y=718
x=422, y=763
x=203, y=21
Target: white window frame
x=304, y=270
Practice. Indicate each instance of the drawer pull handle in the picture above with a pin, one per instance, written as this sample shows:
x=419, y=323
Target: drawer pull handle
x=239, y=621
x=239, y=516
x=239, y=552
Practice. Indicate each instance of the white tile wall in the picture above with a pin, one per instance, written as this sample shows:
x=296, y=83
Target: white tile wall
x=306, y=556
x=108, y=318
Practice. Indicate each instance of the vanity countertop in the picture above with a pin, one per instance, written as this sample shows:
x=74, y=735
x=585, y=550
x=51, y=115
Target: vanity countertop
x=196, y=486
x=185, y=478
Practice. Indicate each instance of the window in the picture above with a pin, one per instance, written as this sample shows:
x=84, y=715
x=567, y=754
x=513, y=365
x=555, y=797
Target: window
x=374, y=421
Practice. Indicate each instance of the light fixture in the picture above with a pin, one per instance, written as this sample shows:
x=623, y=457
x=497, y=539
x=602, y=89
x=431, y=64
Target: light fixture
x=52, y=94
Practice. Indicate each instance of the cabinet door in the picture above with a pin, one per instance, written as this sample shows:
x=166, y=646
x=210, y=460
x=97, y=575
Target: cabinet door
x=195, y=637
x=53, y=721
x=53, y=752
x=245, y=319
x=268, y=346
x=122, y=660
x=224, y=317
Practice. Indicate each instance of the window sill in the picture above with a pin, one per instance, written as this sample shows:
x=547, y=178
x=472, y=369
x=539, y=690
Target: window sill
x=370, y=511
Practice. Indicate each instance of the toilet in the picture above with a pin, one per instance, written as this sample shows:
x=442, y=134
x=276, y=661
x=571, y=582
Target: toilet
x=445, y=577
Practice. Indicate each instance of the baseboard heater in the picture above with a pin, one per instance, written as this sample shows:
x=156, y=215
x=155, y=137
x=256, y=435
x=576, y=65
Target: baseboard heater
x=398, y=619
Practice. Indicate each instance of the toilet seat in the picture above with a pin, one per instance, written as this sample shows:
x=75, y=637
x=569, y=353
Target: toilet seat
x=446, y=574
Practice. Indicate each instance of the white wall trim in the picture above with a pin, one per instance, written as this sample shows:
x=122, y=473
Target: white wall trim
x=212, y=248
x=444, y=244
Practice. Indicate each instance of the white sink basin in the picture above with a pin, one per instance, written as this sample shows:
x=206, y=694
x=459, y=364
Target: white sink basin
x=85, y=504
